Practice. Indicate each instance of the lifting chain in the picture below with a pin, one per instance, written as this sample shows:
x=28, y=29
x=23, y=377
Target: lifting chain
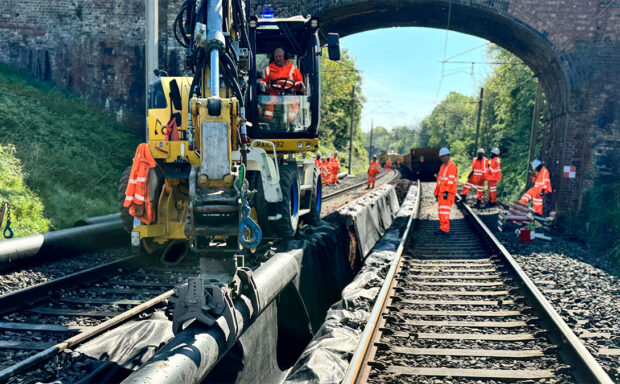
x=6, y=208
x=249, y=232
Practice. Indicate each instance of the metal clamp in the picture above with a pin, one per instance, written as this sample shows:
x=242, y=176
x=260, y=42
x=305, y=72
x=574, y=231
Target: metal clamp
x=194, y=301
x=249, y=289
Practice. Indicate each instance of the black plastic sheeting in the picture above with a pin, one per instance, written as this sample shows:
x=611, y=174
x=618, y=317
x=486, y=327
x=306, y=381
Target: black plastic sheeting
x=274, y=341
x=372, y=215
x=327, y=357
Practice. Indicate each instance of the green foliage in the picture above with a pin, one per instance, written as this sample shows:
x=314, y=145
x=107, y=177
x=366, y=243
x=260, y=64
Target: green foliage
x=506, y=122
x=337, y=105
x=74, y=152
x=399, y=139
x=26, y=207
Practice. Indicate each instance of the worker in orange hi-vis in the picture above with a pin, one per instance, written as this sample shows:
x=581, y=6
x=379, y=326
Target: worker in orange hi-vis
x=476, y=177
x=493, y=176
x=388, y=165
x=317, y=160
x=334, y=164
x=445, y=191
x=373, y=171
x=542, y=186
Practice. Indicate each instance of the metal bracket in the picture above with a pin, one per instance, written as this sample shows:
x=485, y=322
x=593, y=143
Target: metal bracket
x=249, y=289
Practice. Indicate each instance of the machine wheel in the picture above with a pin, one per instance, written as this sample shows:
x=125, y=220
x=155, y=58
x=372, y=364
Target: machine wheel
x=289, y=207
x=122, y=187
x=316, y=198
x=258, y=201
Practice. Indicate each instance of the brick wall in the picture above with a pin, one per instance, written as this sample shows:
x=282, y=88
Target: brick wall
x=96, y=49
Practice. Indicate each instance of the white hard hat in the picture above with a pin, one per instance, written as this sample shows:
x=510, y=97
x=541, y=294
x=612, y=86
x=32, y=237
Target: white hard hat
x=536, y=163
x=444, y=151
x=481, y=150
x=495, y=151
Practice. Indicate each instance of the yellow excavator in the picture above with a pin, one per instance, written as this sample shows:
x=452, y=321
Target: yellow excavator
x=227, y=175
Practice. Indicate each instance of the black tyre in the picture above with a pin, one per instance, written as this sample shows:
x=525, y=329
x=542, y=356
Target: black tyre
x=316, y=198
x=289, y=207
x=122, y=187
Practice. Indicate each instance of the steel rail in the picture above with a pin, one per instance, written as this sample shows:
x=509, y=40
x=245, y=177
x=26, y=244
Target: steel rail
x=29, y=295
x=346, y=189
x=355, y=366
x=571, y=348
x=81, y=337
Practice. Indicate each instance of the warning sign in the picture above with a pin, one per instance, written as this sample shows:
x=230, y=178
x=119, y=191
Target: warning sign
x=569, y=172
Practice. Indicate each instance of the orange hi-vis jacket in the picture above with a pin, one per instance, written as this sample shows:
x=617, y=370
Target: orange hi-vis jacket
x=479, y=167
x=543, y=180
x=374, y=169
x=287, y=71
x=335, y=167
x=388, y=164
x=137, y=192
x=494, y=172
x=446, y=178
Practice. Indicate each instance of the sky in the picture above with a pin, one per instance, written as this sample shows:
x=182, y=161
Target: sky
x=402, y=71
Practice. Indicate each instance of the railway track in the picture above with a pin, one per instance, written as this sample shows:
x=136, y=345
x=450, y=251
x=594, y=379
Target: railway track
x=40, y=321
x=459, y=309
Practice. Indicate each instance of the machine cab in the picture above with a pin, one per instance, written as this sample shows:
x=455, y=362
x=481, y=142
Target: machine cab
x=282, y=107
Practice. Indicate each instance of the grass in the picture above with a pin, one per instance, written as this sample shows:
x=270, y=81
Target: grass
x=26, y=208
x=72, y=150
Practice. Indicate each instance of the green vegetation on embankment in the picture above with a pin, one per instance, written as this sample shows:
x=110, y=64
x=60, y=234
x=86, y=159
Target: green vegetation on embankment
x=26, y=207
x=71, y=151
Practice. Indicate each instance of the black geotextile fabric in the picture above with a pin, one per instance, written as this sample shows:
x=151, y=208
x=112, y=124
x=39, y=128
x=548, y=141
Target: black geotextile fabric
x=372, y=214
x=326, y=266
x=326, y=358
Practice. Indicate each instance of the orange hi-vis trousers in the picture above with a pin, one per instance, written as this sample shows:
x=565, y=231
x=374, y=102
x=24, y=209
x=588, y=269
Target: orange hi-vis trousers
x=478, y=181
x=444, y=208
x=492, y=191
x=534, y=195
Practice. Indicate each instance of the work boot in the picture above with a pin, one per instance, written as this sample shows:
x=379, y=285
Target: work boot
x=464, y=197
x=373, y=186
x=439, y=232
x=490, y=204
x=478, y=204
x=368, y=186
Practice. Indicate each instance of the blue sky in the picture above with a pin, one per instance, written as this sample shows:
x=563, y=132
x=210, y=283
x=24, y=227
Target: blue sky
x=403, y=66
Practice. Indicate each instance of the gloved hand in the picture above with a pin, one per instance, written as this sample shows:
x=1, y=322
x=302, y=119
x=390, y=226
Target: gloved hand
x=542, y=193
x=436, y=197
x=445, y=195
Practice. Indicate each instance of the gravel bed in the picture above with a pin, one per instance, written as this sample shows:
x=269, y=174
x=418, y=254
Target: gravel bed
x=155, y=278
x=13, y=280
x=577, y=283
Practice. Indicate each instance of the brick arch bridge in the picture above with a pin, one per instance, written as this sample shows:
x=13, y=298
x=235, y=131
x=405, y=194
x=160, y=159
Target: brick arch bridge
x=96, y=49
x=571, y=46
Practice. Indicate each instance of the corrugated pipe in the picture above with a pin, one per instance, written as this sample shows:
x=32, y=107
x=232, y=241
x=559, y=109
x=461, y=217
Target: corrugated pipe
x=62, y=243
x=192, y=353
x=97, y=219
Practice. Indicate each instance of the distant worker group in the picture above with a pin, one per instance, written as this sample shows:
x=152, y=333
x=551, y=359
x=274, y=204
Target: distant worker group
x=329, y=168
x=482, y=170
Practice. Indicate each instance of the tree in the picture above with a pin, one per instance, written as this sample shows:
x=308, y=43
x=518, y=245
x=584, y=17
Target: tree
x=337, y=80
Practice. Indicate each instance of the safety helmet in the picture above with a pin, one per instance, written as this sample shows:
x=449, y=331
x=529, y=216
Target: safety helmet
x=318, y=154
x=536, y=163
x=495, y=151
x=374, y=156
x=481, y=150
x=444, y=151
